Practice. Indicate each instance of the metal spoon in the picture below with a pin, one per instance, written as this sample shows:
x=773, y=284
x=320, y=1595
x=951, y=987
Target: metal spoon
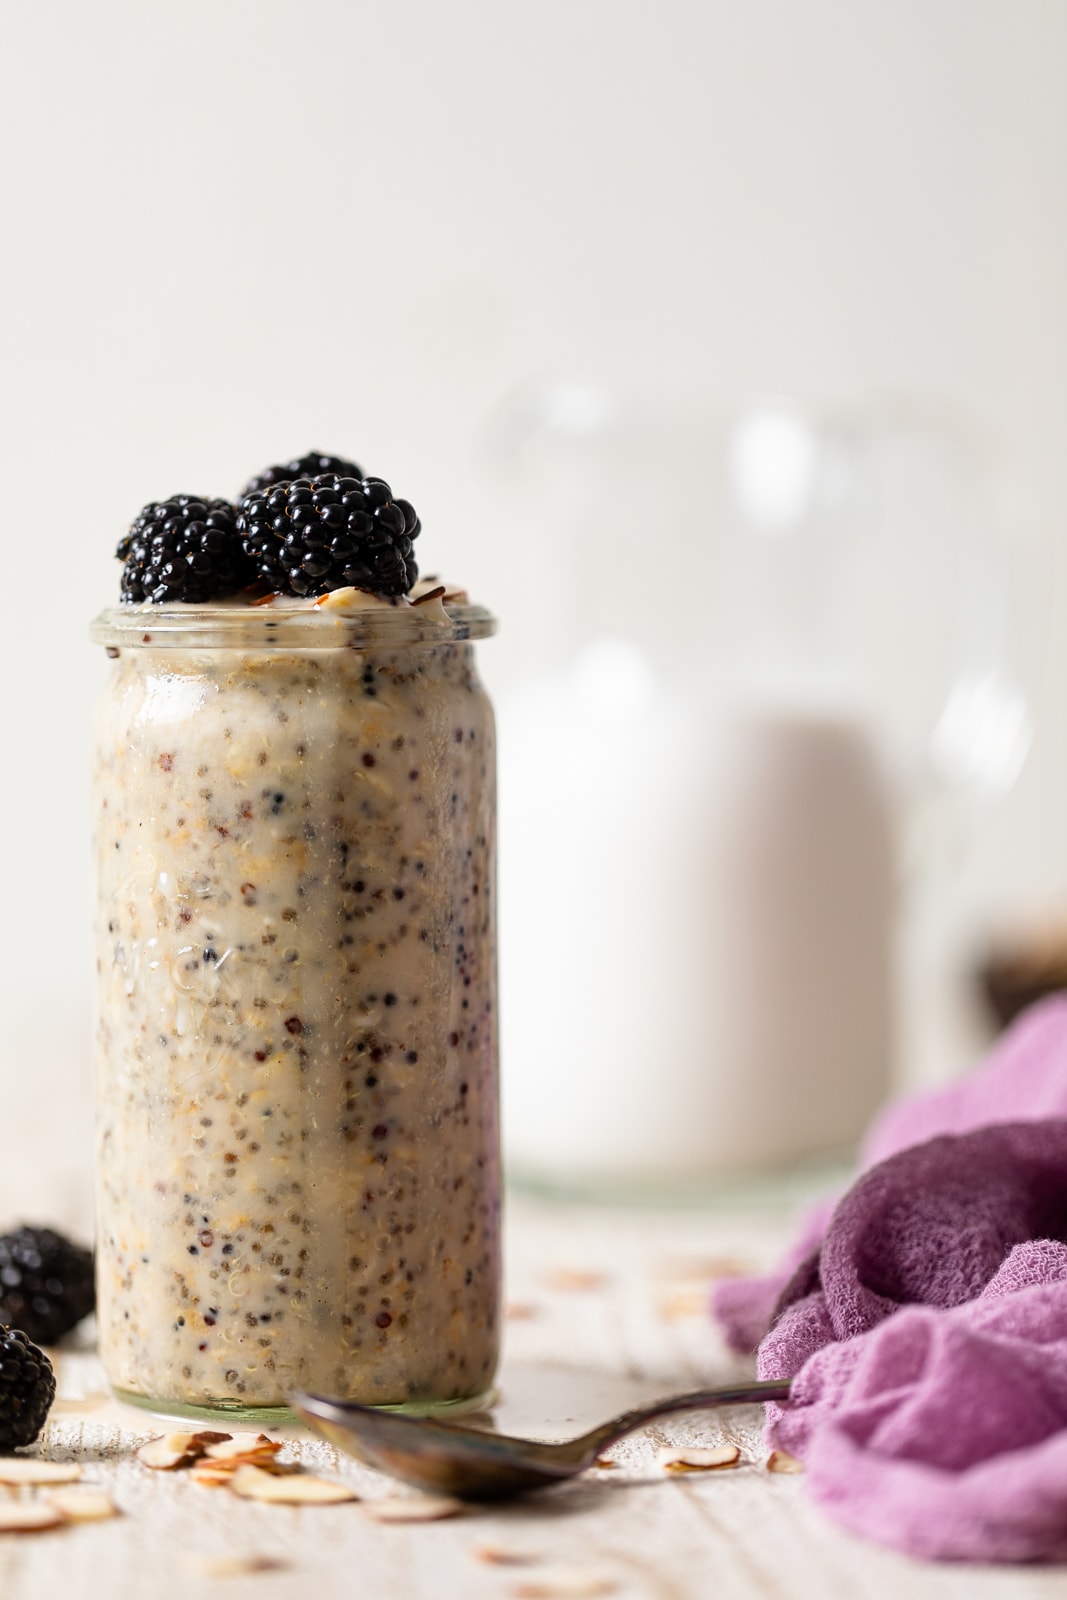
x=451, y=1459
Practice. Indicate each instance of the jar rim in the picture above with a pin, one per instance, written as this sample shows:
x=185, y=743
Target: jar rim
x=245, y=627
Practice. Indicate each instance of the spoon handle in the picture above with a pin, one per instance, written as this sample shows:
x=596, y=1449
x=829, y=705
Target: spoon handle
x=734, y=1394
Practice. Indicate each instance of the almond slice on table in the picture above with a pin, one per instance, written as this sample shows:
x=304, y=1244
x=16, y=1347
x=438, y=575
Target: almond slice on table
x=241, y=1447
x=414, y=1507
x=684, y=1303
x=705, y=1268
x=32, y=1470
x=713, y=1459
x=212, y=1477
x=169, y=1451
x=504, y=1555
x=521, y=1311
x=29, y=1516
x=580, y=1280
x=235, y=1566
x=289, y=1489
x=782, y=1461
x=81, y=1505
x=567, y=1583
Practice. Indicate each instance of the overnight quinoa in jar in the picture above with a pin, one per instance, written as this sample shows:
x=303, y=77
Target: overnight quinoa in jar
x=296, y=1034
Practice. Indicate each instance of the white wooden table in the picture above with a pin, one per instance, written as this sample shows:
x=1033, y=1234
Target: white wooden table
x=606, y=1308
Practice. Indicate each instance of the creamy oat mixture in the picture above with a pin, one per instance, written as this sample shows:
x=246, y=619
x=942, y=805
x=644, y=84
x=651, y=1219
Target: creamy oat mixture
x=296, y=1033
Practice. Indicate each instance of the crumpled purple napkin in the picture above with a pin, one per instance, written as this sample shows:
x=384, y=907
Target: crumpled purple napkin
x=1023, y=1079
x=927, y=1327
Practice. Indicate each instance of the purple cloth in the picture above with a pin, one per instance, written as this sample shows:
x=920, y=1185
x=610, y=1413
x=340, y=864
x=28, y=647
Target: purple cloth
x=1024, y=1079
x=925, y=1322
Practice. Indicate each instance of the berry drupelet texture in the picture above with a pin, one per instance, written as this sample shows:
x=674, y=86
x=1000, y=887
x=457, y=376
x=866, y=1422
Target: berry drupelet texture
x=27, y=1389
x=46, y=1283
x=183, y=549
x=313, y=465
x=316, y=534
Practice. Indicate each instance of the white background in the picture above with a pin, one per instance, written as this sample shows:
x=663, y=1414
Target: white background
x=238, y=229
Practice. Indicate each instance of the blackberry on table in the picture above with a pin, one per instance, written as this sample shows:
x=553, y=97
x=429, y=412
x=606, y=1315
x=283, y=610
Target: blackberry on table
x=27, y=1389
x=315, y=534
x=46, y=1283
x=183, y=549
x=313, y=465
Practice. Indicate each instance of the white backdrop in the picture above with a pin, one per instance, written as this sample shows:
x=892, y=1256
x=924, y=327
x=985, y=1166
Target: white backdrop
x=235, y=229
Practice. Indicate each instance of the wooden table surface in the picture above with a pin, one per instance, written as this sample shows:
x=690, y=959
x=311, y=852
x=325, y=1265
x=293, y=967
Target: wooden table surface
x=605, y=1308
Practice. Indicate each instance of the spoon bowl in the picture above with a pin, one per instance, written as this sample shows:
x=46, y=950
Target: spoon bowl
x=449, y=1458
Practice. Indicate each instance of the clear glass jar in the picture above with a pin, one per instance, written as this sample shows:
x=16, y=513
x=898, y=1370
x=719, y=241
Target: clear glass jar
x=296, y=1038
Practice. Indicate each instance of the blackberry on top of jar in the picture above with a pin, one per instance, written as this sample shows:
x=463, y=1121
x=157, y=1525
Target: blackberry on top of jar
x=312, y=535
x=183, y=549
x=310, y=466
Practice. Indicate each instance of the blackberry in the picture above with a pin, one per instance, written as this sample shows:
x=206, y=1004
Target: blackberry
x=313, y=465
x=27, y=1389
x=316, y=534
x=185, y=548
x=46, y=1283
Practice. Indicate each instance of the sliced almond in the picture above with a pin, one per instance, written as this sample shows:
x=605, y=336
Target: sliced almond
x=241, y=1446
x=289, y=1489
x=414, y=1508
x=212, y=1478
x=567, y=1583
x=235, y=1566
x=575, y=1279
x=29, y=1516
x=684, y=1303
x=697, y=1266
x=173, y=1450
x=709, y=1460
x=504, y=1555
x=605, y=1463
x=164, y=1456
x=32, y=1470
x=782, y=1461
x=82, y=1505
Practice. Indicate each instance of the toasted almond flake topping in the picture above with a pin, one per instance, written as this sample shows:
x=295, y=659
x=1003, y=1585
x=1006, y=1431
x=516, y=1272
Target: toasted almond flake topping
x=414, y=1508
x=431, y=594
x=567, y=1583
x=575, y=1279
x=29, y=1516
x=82, y=1505
x=782, y=1461
x=219, y=1478
x=700, y=1460
x=605, y=1463
x=504, y=1555
x=31, y=1470
x=289, y=1489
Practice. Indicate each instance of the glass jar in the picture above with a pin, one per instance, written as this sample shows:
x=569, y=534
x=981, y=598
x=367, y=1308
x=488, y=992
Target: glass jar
x=296, y=1040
